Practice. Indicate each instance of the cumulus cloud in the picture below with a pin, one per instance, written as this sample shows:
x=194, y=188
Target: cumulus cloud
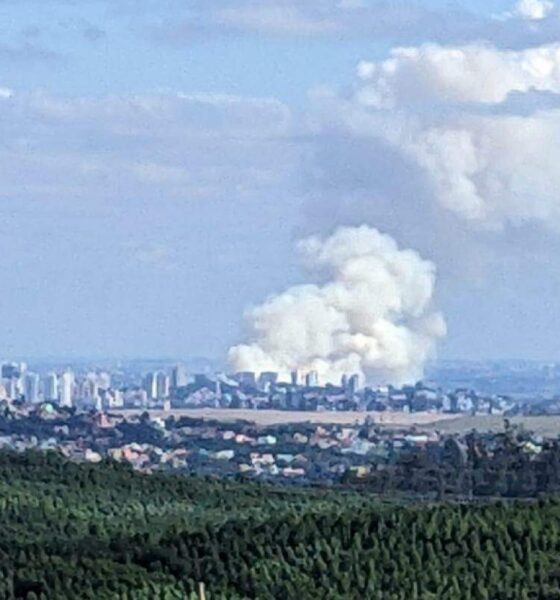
x=372, y=313
x=474, y=73
x=471, y=119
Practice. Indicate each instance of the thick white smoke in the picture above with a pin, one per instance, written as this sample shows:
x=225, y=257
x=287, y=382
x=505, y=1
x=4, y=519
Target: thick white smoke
x=372, y=315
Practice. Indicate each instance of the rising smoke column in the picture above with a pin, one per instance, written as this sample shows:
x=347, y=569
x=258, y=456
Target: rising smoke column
x=372, y=314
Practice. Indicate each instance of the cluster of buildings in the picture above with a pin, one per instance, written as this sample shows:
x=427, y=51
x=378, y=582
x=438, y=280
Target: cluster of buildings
x=92, y=390
x=89, y=389
x=291, y=452
x=175, y=388
x=268, y=380
x=302, y=452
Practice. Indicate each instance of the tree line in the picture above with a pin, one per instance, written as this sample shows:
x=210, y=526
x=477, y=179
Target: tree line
x=104, y=532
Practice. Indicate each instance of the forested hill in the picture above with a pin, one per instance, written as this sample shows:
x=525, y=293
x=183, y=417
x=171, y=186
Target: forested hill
x=101, y=532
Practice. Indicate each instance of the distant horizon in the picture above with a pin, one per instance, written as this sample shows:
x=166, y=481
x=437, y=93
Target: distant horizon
x=179, y=359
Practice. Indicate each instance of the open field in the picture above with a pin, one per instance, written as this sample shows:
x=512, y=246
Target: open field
x=547, y=426
x=274, y=417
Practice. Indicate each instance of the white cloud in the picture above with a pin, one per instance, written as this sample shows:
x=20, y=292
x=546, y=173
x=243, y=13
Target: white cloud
x=469, y=118
x=495, y=169
x=473, y=73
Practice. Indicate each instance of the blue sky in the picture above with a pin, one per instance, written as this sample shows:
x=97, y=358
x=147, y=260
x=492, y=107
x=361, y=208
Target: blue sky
x=100, y=47
x=159, y=159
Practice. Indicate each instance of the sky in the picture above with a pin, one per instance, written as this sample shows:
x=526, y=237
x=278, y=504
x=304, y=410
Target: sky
x=160, y=159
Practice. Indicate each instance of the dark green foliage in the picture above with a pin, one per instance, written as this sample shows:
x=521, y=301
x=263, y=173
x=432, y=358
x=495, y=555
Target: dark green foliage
x=104, y=532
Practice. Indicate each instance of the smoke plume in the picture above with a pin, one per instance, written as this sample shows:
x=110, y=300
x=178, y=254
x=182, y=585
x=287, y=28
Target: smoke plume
x=371, y=313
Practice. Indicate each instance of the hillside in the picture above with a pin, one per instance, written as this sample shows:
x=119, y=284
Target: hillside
x=103, y=532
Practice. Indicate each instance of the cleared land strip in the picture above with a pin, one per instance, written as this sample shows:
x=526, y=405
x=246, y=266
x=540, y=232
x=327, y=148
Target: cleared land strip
x=274, y=417
x=548, y=426
x=545, y=425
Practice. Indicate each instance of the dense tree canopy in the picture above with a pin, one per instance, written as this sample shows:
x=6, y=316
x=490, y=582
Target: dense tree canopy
x=72, y=531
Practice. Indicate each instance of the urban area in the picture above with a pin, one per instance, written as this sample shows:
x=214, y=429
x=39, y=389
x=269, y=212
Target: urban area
x=135, y=385
x=134, y=416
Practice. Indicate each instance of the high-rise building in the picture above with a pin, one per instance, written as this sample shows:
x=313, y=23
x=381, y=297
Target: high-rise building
x=162, y=385
x=295, y=377
x=104, y=380
x=90, y=389
x=66, y=389
x=179, y=377
x=13, y=370
x=12, y=375
x=150, y=386
x=246, y=378
x=31, y=388
x=142, y=398
x=12, y=388
x=354, y=384
x=135, y=398
x=50, y=387
x=201, y=380
x=112, y=399
x=267, y=379
x=312, y=379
